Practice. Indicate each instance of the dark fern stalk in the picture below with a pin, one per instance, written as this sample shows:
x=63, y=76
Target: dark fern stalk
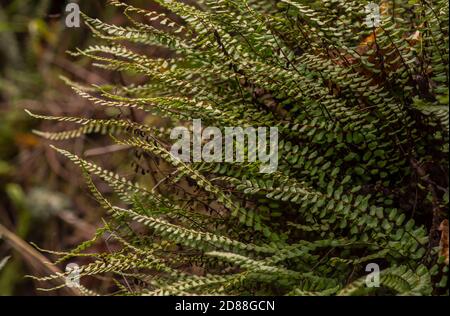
x=363, y=119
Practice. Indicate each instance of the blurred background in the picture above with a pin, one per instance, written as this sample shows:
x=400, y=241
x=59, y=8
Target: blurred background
x=42, y=196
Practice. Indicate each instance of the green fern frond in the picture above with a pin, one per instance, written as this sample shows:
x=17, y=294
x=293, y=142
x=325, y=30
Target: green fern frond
x=362, y=119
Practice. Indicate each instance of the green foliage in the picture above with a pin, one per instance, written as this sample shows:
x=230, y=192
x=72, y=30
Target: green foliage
x=363, y=120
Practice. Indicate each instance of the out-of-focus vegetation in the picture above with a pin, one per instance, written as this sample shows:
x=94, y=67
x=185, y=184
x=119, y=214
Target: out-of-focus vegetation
x=38, y=195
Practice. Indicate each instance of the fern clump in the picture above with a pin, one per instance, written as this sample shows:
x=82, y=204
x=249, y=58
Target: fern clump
x=362, y=115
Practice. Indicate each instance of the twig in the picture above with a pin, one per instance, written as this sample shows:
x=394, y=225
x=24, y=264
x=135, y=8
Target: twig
x=105, y=150
x=33, y=257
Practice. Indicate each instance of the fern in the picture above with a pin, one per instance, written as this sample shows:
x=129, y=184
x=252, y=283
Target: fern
x=363, y=120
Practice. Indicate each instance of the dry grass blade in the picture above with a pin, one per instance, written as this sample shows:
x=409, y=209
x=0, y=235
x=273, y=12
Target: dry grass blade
x=33, y=257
